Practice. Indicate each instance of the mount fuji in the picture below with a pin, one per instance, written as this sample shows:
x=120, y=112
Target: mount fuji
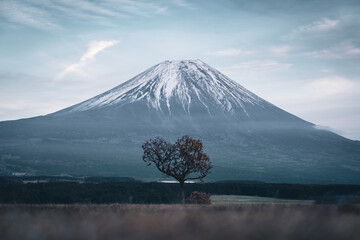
x=246, y=137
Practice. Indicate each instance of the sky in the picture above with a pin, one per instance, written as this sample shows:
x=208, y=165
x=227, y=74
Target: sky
x=302, y=56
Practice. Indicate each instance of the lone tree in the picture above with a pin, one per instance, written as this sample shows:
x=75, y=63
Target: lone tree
x=184, y=160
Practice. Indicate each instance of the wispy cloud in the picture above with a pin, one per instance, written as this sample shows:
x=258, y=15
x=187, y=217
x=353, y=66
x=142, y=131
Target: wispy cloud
x=93, y=49
x=89, y=6
x=26, y=15
x=140, y=8
x=339, y=51
x=279, y=50
x=229, y=52
x=183, y=3
x=317, y=27
x=324, y=24
x=276, y=51
x=77, y=13
x=319, y=90
x=328, y=87
x=258, y=65
x=51, y=14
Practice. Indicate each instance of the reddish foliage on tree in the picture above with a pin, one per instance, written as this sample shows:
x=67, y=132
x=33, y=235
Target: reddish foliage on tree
x=199, y=198
x=184, y=160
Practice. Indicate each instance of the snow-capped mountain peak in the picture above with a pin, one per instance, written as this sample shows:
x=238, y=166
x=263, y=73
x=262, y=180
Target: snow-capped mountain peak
x=171, y=84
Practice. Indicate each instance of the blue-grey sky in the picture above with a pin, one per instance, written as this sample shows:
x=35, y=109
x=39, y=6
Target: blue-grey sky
x=303, y=56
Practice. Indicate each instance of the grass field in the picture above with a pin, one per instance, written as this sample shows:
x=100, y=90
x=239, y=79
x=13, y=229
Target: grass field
x=115, y=221
x=240, y=199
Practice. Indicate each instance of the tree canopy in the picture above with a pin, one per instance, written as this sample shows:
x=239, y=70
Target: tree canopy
x=183, y=160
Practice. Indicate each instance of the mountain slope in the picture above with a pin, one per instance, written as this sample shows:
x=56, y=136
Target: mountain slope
x=245, y=136
x=181, y=81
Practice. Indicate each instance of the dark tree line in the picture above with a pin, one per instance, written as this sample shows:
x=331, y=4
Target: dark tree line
x=141, y=192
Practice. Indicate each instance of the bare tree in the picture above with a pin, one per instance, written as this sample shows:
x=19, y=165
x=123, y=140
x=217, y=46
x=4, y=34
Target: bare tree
x=184, y=160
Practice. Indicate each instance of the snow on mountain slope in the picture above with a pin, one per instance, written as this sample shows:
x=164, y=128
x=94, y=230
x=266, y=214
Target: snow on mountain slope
x=180, y=82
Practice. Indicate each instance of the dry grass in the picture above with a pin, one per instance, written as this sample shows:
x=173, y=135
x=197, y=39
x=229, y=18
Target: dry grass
x=179, y=222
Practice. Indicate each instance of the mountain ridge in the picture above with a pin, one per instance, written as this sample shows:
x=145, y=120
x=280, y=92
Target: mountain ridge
x=176, y=87
x=246, y=137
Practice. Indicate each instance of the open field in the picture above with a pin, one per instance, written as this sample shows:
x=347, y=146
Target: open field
x=239, y=199
x=116, y=221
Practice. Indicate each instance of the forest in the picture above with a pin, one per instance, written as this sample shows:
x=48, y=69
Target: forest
x=99, y=190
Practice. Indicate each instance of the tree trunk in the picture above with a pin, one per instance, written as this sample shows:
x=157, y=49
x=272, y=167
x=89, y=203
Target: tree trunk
x=182, y=185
